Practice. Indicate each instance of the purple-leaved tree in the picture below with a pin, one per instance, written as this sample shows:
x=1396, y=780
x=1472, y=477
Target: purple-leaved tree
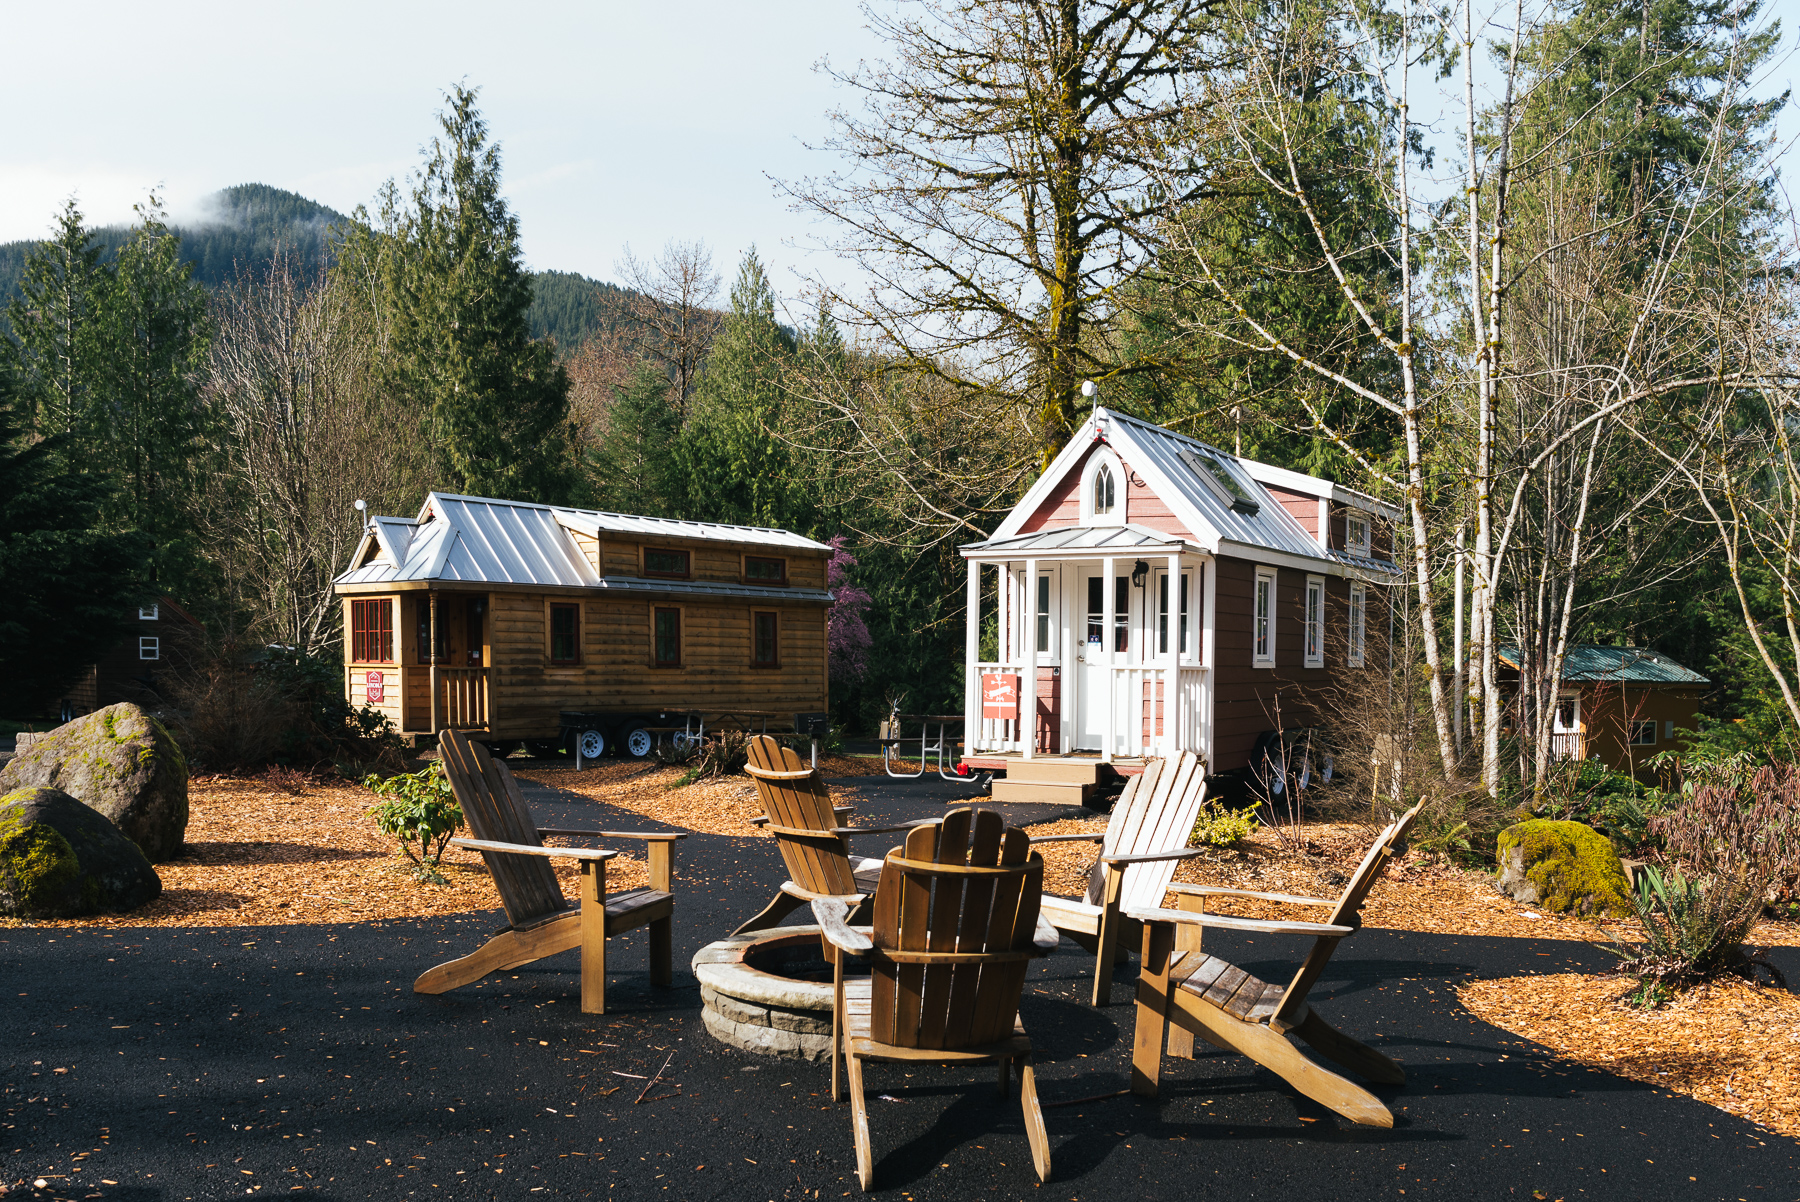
x=847, y=639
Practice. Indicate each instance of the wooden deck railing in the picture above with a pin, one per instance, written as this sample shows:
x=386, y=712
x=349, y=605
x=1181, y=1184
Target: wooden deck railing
x=1570, y=745
x=462, y=697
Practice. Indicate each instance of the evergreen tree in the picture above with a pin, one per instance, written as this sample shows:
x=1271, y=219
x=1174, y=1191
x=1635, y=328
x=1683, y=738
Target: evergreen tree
x=53, y=321
x=453, y=295
x=634, y=468
x=153, y=331
x=68, y=582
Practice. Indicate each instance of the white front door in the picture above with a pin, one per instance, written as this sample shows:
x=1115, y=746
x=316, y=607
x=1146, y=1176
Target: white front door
x=1093, y=693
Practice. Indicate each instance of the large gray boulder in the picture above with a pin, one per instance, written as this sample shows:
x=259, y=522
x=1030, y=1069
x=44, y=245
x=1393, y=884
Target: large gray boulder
x=121, y=762
x=61, y=859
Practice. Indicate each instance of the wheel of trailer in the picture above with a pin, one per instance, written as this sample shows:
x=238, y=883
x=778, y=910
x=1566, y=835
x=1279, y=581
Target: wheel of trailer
x=637, y=742
x=684, y=740
x=591, y=744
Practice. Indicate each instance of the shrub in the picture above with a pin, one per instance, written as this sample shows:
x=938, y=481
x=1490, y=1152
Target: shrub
x=722, y=753
x=418, y=808
x=1694, y=930
x=1221, y=826
x=1614, y=803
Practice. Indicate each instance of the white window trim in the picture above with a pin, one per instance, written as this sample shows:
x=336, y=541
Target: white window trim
x=1103, y=456
x=1153, y=639
x=1367, y=547
x=1356, y=632
x=1267, y=658
x=1313, y=635
x=1645, y=725
x=151, y=612
x=149, y=647
x=1051, y=654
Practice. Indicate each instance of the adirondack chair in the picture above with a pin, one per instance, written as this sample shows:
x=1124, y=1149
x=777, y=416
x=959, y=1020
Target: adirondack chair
x=540, y=922
x=1147, y=834
x=956, y=920
x=814, y=846
x=1226, y=1005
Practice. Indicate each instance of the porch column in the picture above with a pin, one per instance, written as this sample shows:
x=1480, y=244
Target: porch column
x=1209, y=592
x=1027, y=723
x=1173, y=730
x=1107, y=642
x=971, y=656
x=433, y=661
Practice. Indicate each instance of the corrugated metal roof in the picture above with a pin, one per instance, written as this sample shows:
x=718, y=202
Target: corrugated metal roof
x=1076, y=538
x=1271, y=527
x=482, y=540
x=1617, y=665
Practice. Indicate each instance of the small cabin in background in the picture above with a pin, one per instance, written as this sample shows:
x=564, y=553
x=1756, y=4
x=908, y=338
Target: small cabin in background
x=1619, y=705
x=1160, y=595
x=159, y=638
x=495, y=616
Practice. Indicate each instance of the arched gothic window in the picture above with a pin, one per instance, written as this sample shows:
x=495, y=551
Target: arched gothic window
x=1103, y=491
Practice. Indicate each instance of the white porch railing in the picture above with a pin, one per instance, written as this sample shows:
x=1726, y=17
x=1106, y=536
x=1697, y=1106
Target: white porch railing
x=1147, y=720
x=1568, y=745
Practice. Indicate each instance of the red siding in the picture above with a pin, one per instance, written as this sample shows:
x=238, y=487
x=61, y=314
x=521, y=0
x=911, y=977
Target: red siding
x=1143, y=507
x=1049, y=711
x=1305, y=508
x=1063, y=506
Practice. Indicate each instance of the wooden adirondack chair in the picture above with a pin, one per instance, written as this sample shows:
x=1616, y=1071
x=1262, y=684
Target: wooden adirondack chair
x=1148, y=832
x=1232, y=1009
x=540, y=920
x=956, y=921
x=798, y=811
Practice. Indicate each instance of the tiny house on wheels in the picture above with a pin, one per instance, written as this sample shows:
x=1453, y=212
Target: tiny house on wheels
x=498, y=616
x=1160, y=595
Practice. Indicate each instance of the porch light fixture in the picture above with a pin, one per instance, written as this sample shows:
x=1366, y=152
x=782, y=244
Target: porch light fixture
x=1139, y=570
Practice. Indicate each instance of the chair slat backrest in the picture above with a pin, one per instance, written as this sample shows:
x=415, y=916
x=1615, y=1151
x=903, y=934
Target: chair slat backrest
x=495, y=810
x=954, y=920
x=818, y=863
x=1345, y=912
x=1155, y=813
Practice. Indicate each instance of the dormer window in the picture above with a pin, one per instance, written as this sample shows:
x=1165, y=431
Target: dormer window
x=1103, y=495
x=1356, y=533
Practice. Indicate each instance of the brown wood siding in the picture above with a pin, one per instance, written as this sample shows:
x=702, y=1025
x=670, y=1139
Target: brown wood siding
x=1304, y=507
x=1244, y=697
x=590, y=547
x=123, y=675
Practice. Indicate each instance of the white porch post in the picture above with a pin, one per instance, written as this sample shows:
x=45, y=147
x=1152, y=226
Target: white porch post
x=972, y=655
x=1003, y=636
x=1107, y=642
x=1209, y=592
x=1028, y=678
x=1172, y=727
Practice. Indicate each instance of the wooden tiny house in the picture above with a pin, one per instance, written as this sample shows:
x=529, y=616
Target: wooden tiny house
x=1160, y=595
x=496, y=616
x=1619, y=705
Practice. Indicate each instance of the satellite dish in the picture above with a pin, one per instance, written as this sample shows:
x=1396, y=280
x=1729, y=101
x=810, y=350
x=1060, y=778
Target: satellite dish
x=1089, y=388
x=361, y=505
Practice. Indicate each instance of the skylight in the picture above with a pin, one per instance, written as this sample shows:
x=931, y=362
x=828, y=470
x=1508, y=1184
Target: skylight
x=1222, y=484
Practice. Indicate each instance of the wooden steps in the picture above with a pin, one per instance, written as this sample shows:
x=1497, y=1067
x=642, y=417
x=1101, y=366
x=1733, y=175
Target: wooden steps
x=1047, y=781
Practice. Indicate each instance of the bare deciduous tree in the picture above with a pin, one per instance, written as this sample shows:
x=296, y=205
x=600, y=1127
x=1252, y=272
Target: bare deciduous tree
x=670, y=312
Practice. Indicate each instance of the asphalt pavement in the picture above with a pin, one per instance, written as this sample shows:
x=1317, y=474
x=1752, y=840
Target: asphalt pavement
x=162, y=1064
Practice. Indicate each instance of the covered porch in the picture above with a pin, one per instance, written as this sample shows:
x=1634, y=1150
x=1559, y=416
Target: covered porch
x=1098, y=646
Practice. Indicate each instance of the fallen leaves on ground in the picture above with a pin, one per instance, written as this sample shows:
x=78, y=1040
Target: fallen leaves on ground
x=256, y=856
x=1728, y=1044
x=721, y=806
x=1315, y=859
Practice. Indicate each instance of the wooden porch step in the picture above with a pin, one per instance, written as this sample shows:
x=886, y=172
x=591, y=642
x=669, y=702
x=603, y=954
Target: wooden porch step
x=1058, y=771
x=1039, y=793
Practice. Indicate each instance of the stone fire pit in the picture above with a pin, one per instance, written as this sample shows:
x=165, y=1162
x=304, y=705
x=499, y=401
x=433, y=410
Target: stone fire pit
x=768, y=992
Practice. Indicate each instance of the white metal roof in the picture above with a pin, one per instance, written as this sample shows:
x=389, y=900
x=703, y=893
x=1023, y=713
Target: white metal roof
x=482, y=540
x=1066, y=540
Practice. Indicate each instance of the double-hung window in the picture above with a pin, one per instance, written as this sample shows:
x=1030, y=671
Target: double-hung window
x=1046, y=631
x=765, y=640
x=666, y=638
x=1356, y=533
x=1355, y=638
x=372, y=631
x=1315, y=622
x=150, y=647
x=565, y=634
x=1262, y=633
x=1181, y=617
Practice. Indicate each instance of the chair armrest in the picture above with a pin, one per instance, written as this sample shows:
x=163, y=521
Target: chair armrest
x=833, y=917
x=1221, y=891
x=882, y=830
x=1226, y=922
x=840, y=811
x=526, y=849
x=648, y=836
x=1091, y=837
x=1186, y=853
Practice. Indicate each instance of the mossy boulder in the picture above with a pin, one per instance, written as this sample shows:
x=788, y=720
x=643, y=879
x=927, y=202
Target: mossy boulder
x=1563, y=867
x=121, y=762
x=62, y=859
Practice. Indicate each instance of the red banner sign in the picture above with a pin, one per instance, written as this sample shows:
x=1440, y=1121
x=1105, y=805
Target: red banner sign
x=1000, y=697
x=376, y=684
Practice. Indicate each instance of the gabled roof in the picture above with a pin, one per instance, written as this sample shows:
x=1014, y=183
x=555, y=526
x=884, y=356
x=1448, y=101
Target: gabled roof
x=1166, y=460
x=482, y=540
x=1615, y=665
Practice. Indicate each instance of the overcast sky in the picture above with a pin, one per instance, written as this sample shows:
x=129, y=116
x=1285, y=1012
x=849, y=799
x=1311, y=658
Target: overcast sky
x=620, y=122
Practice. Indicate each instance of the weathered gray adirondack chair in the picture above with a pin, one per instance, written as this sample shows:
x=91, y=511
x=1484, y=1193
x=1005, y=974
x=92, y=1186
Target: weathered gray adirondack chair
x=956, y=921
x=1222, y=1003
x=540, y=922
x=1147, y=833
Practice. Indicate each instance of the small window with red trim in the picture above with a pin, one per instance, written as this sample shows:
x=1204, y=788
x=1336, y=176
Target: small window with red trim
x=372, y=631
x=765, y=639
x=565, y=634
x=667, y=638
x=659, y=561
x=761, y=569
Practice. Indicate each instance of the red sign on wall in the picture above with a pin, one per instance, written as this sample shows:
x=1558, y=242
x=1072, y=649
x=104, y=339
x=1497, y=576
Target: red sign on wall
x=376, y=685
x=1000, y=697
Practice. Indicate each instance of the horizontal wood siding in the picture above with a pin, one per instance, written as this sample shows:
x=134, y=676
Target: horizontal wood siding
x=1049, y=711
x=1143, y=507
x=1303, y=506
x=1063, y=506
x=590, y=547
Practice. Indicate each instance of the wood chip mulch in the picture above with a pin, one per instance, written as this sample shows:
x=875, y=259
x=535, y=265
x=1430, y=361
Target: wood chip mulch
x=257, y=856
x=1731, y=1045
x=722, y=806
